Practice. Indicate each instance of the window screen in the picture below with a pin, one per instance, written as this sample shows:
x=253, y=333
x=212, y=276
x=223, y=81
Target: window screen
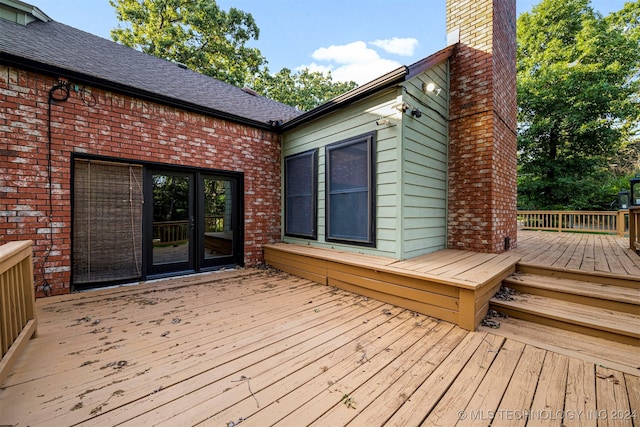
x=350, y=191
x=107, y=222
x=301, y=194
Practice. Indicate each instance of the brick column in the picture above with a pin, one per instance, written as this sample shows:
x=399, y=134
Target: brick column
x=482, y=128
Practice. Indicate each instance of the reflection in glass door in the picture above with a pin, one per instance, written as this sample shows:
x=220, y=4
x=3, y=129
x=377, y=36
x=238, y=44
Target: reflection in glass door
x=172, y=224
x=217, y=231
x=194, y=221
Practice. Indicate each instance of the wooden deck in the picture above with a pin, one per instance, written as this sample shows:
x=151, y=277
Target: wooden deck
x=590, y=253
x=262, y=347
x=452, y=285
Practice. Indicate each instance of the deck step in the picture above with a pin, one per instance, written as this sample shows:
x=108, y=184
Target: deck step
x=586, y=319
x=602, y=295
x=613, y=279
x=611, y=354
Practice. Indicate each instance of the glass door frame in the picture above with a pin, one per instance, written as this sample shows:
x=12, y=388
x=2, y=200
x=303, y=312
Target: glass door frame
x=148, y=246
x=236, y=257
x=197, y=261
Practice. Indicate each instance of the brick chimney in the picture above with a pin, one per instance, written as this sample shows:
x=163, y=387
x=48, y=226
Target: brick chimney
x=482, y=128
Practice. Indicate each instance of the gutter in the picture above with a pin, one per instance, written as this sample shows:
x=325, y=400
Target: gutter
x=392, y=78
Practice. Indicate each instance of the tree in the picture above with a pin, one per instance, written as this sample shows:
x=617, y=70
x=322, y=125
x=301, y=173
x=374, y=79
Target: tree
x=304, y=90
x=578, y=101
x=198, y=34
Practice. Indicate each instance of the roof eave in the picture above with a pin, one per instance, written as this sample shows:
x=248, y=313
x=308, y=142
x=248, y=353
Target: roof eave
x=394, y=77
x=28, y=9
x=350, y=97
x=81, y=78
x=431, y=60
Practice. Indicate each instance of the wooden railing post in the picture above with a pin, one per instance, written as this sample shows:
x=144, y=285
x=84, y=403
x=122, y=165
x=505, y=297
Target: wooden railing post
x=560, y=218
x=634, y=228
x=17, y=302
x=620, y=224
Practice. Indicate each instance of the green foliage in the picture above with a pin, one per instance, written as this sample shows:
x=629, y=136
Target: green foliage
x=198, y=34
x=170, y=198
x=578, y=102
x=304, y=90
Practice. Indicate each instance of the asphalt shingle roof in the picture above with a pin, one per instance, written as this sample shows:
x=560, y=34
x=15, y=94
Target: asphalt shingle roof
x=53, y=44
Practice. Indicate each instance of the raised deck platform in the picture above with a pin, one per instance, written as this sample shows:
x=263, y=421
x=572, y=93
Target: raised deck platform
x=262, y=348
x=451, y=285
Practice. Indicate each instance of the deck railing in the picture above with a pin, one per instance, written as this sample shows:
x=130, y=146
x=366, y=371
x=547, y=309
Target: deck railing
x=611, y=222
x=634, y=228
x=170, y=232
x=176, y=232
x=17, y=301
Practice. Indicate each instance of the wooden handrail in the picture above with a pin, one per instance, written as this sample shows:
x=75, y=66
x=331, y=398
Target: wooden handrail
x=175, y=232
x=634, y=228
x=611, y=222
x=170, y=232
x=17, y=302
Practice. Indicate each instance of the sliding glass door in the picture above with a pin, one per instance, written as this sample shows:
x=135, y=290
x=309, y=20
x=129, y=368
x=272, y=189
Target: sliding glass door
x=107, y=223
x=132, y=222
x=172, y=221
x=193, y=221
x=217, y=228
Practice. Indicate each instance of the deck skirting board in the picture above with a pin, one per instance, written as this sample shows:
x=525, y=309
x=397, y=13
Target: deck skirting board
x=457, y=289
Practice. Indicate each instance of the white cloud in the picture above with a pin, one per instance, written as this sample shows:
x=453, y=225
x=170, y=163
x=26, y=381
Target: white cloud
x=362, y=73
x=397, y=45
x=313, y=67
x=346, y=54
x=354, y=61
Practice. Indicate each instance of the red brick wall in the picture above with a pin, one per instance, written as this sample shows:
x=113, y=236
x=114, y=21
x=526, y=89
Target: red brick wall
x=482, y=139
x=123, y=127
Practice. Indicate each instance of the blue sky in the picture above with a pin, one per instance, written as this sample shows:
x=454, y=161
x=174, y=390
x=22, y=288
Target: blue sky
x=356, y=39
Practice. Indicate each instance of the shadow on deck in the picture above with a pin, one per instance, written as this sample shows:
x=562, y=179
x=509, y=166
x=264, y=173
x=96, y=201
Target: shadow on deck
x=451, y=285
x=583, y=283
x=262, y=347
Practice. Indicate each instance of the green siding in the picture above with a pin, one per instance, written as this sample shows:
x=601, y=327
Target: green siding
x=411, y=165
x=357, y=119
x=424, y=173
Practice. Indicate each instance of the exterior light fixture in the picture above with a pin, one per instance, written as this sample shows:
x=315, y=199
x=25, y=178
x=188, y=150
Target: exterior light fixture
x=402, y=107
x=635, y=190
x=382, y=121
x=623, y=199
x=430, y=88
x=415, y=112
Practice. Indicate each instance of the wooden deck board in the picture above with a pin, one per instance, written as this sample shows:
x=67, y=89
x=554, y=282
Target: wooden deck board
x=194, y=405
x=413, y=411
x=553, y=378
x=490, y=392
x=522, y=389
x=460, y=393
x=439, y=267
x=432, y=261
x=400, y=391
x=627, y=323
x=452, y=285
x=580, y=396
x=265, y=347
x=599, y=351
x=578, y=251
x=612, y=398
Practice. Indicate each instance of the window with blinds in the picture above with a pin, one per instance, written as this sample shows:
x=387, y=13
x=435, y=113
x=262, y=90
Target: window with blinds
x=107, y=222
x=350, y=189
x=301, y=193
